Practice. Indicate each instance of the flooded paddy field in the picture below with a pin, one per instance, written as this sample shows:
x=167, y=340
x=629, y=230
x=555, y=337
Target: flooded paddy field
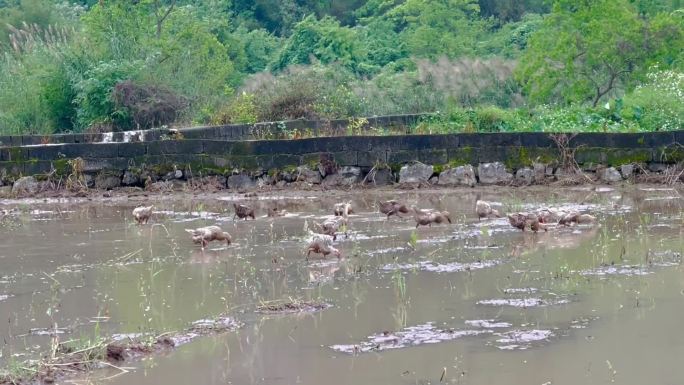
x=472, y=302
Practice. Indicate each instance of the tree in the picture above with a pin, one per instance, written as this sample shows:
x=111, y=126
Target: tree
x=511, y=10
x=323, y=40
x=161, y=14
x=126, y=42
x=590, y=49
x=433, y=28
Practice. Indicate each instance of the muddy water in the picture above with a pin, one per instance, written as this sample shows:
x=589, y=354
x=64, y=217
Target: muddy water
x=469, y=303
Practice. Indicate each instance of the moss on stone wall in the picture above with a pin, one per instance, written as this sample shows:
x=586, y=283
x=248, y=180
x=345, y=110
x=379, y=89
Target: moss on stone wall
x=619, y=156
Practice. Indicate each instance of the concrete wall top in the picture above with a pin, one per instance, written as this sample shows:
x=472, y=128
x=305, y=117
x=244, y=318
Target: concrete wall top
x=223, y=132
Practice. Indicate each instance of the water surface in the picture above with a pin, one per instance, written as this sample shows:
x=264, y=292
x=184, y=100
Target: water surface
x=475, y=302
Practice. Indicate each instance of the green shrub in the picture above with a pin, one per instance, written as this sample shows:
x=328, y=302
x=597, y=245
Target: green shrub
x=313, y=92
x=94, y=93
x=657, y=105
x=241, y=109
x=36, y=95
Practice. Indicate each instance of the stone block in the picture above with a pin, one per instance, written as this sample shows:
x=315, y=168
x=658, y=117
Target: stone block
x=37, y=167
x=14, y=154
x=463, y=155
x=627, y=170
x=458, y=176
x=415, y=173
x=525, y=176
x=282, y=161
x=346, y=158
x=434, y=157
x=609, y=175
x=131, y=150
x=493, y=173
x=370, y=158
x=47, y=152
x=346, y=176
x=401, y=157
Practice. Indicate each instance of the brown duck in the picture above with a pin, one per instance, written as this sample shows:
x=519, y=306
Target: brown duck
x=330, y=227
x=142, y=214
x=322, y=244
x=523, y=220
x=392, y=207
x=427, y=218
x=575, y=217
x=484, y=210
x=343, y=209
x=204, y=235
x=550, y=215
x=243, y=211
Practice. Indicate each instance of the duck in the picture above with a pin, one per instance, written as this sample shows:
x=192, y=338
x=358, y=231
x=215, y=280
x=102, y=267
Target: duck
x=586, y=219
x=536, y=224
x=243, y=211
x=517, y=220
x=575, y=217
x=343, y=209
x=484, y=210
x=142, y=214
x=427, y=218
x=204, y=235
x=550, y=215
x=523, y=220
x=392, y=207
x=331, y=226
x=322, y=244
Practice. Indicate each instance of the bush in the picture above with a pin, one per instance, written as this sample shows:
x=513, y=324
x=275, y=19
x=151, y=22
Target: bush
x=146, y=106
x=241, y=109
x=36, y=94
x=398, y=93
x=657, y=105
x=313, y=92
x=94, y=90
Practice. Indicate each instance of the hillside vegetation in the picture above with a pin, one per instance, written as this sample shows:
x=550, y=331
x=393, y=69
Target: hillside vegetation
x=487, y=65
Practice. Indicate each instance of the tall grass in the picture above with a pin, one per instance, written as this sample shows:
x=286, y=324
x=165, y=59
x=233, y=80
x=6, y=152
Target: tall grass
x=35, y=96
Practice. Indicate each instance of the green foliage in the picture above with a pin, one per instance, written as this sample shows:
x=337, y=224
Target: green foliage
x=590, y=51
x=304, y=92
x=479, y=65
x=258, y=46
x=383, y=46
x=512, y=10
x=242, y=109
x=657, y=104
x=94, y=89
x=436, y=28
x=36, y=96
x=510, y=40
x=323, y=40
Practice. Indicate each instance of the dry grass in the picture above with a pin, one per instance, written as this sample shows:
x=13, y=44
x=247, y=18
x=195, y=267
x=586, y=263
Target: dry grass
x=572, y=173
x=672, y=175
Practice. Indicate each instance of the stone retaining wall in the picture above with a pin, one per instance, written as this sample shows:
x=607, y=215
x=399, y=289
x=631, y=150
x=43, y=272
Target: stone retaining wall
x=352, y=155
